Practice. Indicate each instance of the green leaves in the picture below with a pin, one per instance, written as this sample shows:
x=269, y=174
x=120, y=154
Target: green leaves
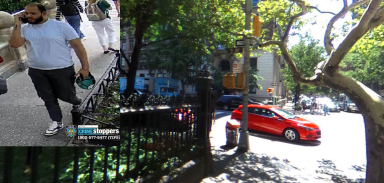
x=11, y=6
x=306, y=55
x=365, y=65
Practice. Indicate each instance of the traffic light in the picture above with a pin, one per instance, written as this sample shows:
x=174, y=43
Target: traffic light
x=229, y=80
x=240, y=80
x=256, y=26
x=270, y=90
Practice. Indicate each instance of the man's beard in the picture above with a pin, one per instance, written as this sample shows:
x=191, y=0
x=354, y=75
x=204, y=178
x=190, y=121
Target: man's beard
x=37, y=21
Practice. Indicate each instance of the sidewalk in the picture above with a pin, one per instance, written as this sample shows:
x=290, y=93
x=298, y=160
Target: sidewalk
x=268, y=166
x=23, y=116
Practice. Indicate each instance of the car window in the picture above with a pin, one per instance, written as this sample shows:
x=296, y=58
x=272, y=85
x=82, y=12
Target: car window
x=236, y=100
x=267, y=113
x=223, y=99
x=253, y=110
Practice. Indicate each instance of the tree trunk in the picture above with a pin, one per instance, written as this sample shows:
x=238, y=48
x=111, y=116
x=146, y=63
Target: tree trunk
x=375, y=150
x=132, y=66
x=183, y=87
x=371, y=106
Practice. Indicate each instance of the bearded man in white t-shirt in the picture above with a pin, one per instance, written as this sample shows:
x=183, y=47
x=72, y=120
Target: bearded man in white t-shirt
x=51, y=67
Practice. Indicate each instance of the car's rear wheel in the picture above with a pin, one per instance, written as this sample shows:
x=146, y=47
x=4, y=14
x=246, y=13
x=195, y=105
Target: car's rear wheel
x=226, y=107
x=291, y=134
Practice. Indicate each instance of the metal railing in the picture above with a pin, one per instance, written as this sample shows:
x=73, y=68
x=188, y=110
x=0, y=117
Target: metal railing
x=76, y=167
x=86, y=112
x=161, y=134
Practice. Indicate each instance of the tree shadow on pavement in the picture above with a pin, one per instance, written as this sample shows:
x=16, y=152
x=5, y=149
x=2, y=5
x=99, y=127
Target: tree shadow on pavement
x=232, y=166
x=249, y=167
x=327, y=171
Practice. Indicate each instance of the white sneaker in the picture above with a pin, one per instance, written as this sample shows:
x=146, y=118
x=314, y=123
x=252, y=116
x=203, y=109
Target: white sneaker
x=53, y=128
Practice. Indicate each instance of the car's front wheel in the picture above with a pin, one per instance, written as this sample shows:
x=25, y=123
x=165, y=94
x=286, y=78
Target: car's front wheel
x=291, y=134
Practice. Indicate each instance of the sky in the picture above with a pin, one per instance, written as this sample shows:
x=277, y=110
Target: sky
x=318, y=30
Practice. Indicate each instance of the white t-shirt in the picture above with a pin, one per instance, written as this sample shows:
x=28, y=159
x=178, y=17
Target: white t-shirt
x=47, y=47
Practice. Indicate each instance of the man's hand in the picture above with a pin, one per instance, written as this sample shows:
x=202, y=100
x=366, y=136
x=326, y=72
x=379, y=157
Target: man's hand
x=18, y=21
x=83, y=72
x=82, y=54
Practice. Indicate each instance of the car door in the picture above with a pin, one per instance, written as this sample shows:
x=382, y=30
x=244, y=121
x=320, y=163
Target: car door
x=274, y=126
x=254, y=118
x=235, y=102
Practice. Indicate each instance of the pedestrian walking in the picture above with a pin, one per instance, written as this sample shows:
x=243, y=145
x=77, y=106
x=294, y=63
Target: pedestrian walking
x=303, y=105
x=104, y=28
x=325, y=109
x=213, y=106
x=51, y=67
x=71, y=9
x=297, y=108
x=117, y=5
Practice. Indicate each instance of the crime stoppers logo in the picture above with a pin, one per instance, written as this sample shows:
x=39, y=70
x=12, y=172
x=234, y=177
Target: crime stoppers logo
x=70, y=131
x=94, y=130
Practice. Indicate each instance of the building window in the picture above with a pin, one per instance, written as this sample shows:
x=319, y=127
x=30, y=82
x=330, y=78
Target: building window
x=123, y=45
x=131, y=43
x=142, y=75
x=161, y=75
x=225, y=65
x=253, y=63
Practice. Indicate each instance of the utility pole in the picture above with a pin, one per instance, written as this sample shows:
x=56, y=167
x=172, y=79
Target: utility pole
x=244, y=135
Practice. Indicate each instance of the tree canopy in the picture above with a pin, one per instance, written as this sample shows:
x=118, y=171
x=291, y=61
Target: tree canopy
x=198, y=26
x=306, y=55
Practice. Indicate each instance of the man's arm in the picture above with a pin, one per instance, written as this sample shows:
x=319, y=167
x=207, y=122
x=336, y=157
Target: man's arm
x=16, y=40
x=77, y=4
x=80, y=52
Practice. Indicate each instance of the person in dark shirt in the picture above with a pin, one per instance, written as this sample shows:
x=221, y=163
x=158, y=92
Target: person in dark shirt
x=71, y=9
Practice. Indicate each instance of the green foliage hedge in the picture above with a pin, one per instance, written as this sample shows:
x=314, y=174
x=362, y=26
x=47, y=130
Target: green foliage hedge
x=12, y=6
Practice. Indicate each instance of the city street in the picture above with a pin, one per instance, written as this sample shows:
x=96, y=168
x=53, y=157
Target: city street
x=338, y=156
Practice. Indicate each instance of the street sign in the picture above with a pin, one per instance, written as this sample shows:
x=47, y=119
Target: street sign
x=274, y=84
x=241, y=42
x=235, y=50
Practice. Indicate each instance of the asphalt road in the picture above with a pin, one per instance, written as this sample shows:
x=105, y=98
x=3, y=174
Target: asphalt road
x=339, y=155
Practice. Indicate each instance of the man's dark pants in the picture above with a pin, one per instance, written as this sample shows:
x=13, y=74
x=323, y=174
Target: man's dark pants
x=52, y=85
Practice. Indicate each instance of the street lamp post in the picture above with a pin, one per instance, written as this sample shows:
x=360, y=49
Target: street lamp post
x=244, y=136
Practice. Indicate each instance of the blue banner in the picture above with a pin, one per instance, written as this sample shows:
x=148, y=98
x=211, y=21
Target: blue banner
x=123, y=84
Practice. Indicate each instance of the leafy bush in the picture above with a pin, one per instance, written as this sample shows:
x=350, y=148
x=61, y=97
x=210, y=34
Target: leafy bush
x=110, y=107
x=12, y=6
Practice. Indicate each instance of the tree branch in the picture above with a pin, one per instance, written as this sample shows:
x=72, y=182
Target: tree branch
x=314, y=81
x=292, y=20
x=320, y=10
x=327, y=37
x=378, y=19
x=356, y=33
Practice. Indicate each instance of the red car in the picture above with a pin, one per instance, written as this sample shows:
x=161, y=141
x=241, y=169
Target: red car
x=271, y=119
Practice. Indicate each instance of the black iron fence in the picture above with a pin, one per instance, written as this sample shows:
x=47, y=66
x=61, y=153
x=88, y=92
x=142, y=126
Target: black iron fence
x=57, y=164
x=162, y=133
x=101, y=103
x=159, y=138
